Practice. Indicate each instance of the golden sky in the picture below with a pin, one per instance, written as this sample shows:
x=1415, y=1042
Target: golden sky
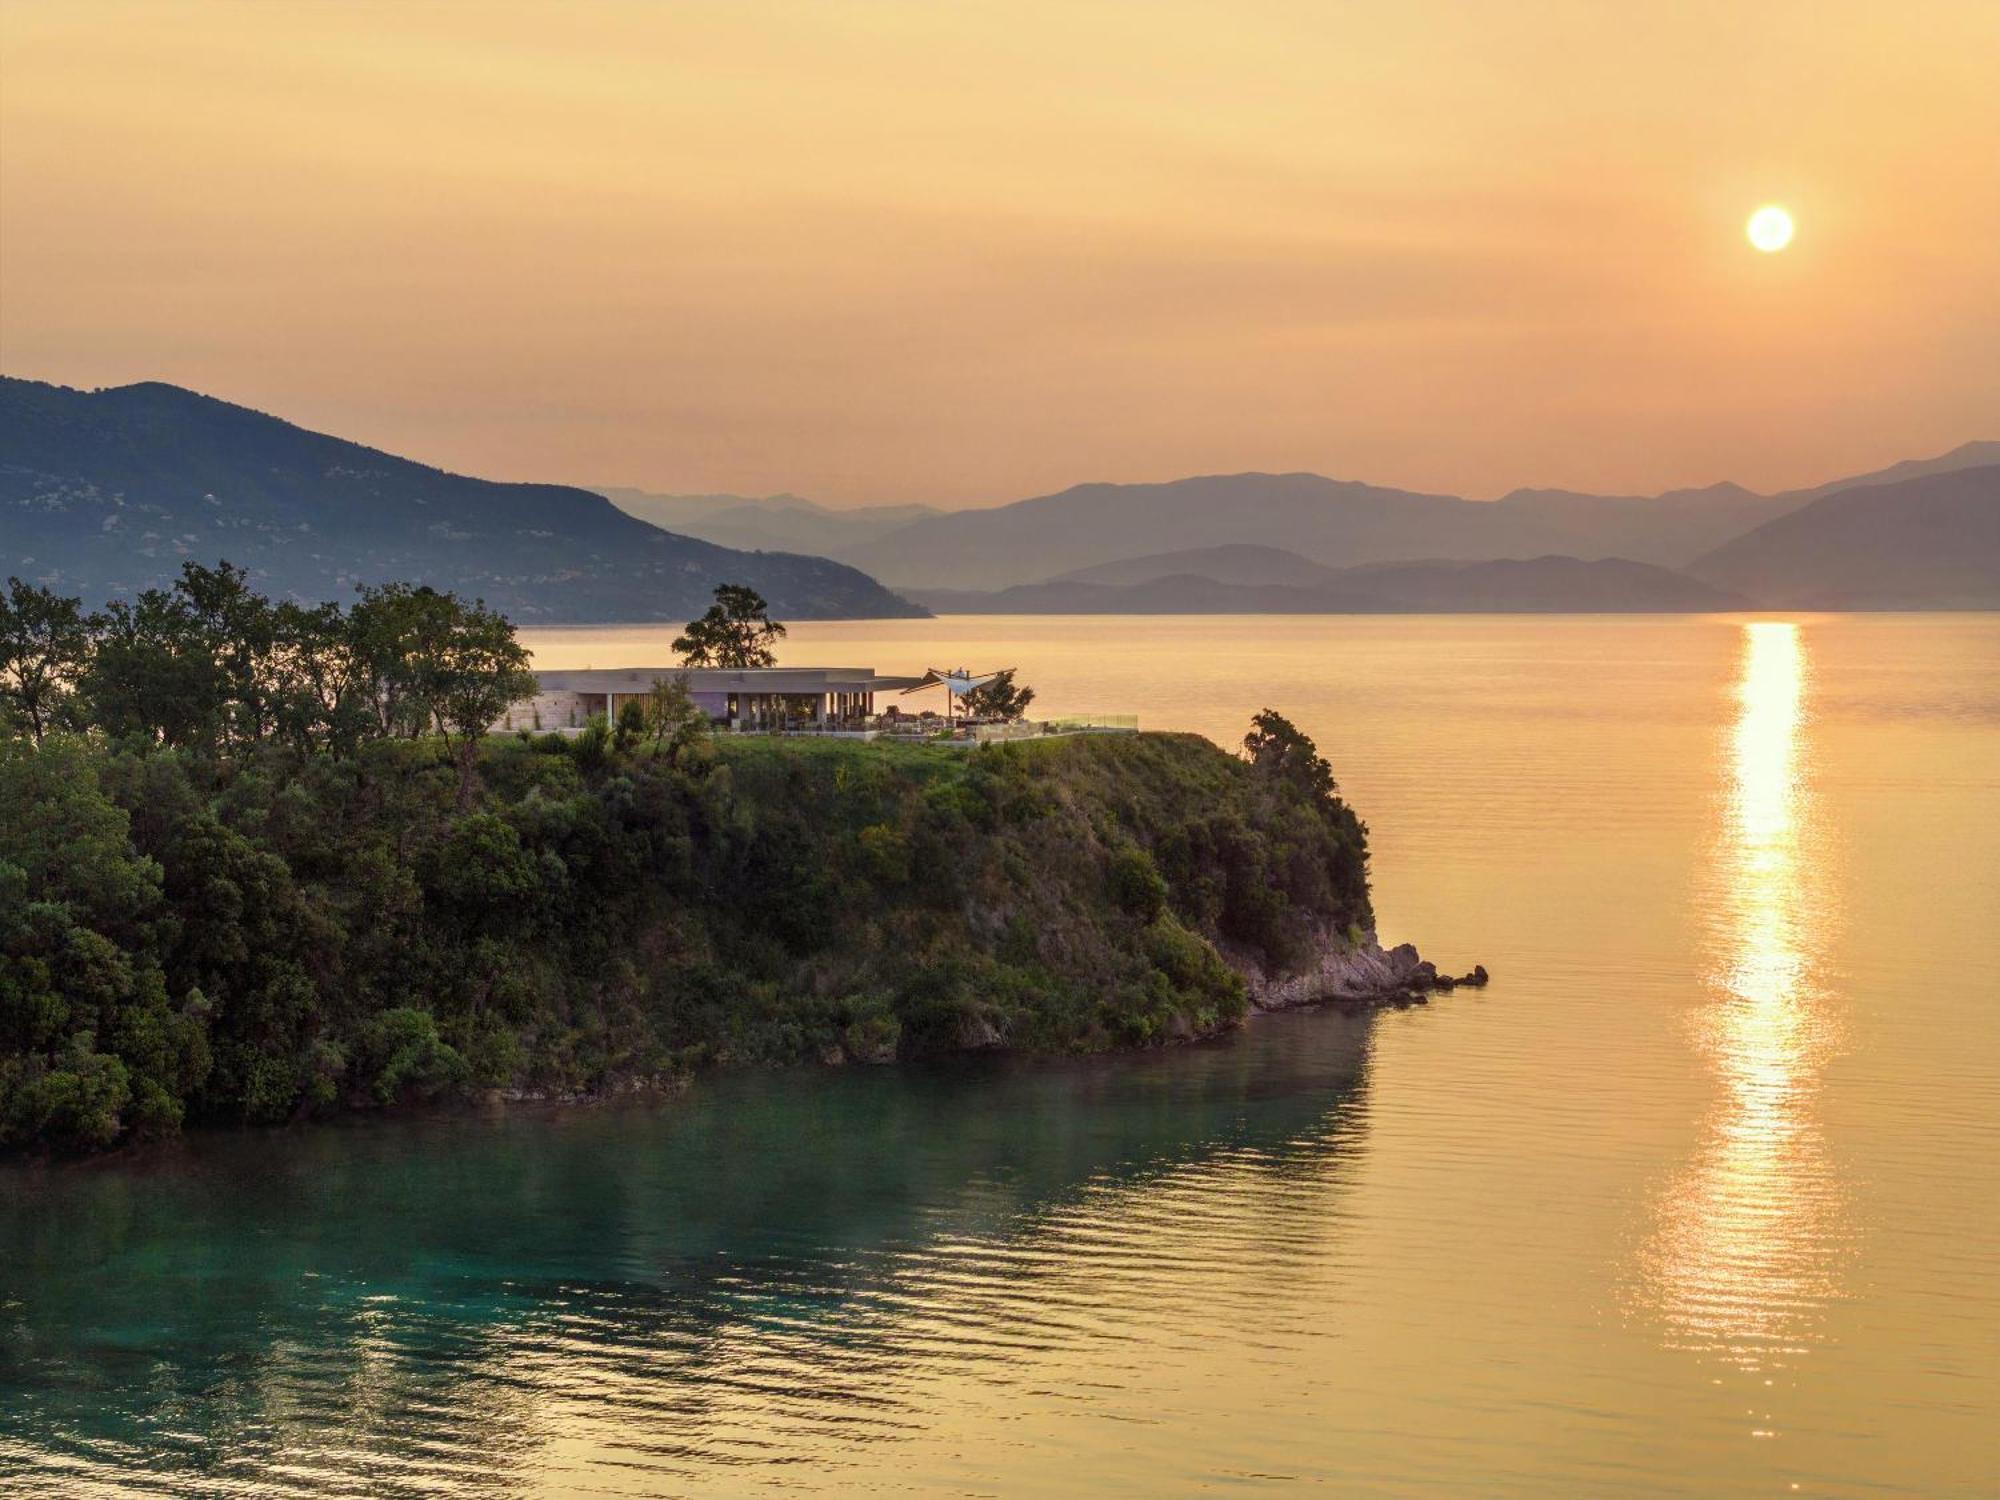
x=962, y=252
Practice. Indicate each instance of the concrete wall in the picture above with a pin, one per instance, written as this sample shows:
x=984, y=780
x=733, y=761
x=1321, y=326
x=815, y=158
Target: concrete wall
x=574, y=710
x=551, y=711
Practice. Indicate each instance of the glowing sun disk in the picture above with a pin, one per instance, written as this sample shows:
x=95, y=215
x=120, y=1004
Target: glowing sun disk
x=1769, y=229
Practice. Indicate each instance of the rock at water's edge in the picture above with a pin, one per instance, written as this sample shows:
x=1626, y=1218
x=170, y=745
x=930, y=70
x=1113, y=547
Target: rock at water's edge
x=1357, y=973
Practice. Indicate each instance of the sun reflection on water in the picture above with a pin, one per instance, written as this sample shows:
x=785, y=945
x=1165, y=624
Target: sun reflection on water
x=1746, y=1251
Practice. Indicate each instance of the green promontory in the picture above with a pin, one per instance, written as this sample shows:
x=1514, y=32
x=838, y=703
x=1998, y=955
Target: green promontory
x=265, y=937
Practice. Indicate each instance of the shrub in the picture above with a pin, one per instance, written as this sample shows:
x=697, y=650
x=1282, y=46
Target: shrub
x=407, y=1060
x=885, y=854
x=1136, y=883
x=74, y=1105
x=632, y=725
x=872, y=1038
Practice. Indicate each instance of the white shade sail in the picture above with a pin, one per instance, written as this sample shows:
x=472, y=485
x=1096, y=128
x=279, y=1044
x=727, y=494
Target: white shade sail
x=957, y=683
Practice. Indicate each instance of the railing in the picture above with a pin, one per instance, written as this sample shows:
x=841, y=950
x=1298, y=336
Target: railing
x=1094, y=723
x=913, y=730
x=1037, y=729
x=819, y=731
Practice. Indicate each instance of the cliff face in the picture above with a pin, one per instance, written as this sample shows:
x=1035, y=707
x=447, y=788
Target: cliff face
x=265, y=939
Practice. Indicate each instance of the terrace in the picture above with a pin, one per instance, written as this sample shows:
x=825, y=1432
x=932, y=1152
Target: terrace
x=840, y=701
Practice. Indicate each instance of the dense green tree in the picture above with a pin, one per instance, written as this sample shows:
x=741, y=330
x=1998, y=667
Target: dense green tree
x=999, y=698
x=631, y=727
x=388, y=628
x=44, y=644
x=673, y=720
x=737, y=631
x=67, y=842
x=89, y=1043
x=467, y=669
x=1276, y=747
x=318, y=689
x=407, y=1059
x=238, y=628
x=153, y=674
x=485, y=879
x=210, y=664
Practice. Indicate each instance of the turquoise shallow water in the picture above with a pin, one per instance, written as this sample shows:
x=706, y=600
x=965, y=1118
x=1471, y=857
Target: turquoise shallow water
x=1700, y=1197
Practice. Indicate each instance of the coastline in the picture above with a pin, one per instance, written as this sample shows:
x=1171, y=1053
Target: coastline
x=1346, y=976
x=1355, y=974
x=602, y=920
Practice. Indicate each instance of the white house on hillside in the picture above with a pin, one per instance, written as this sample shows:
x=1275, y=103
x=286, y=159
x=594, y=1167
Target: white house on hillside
x=742, y=697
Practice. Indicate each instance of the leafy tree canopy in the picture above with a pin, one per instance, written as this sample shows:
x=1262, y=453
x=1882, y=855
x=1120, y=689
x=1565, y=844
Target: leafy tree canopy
x=737, y=631
x=1000, y=698
x=44, y=641
x=672, y=718
x=214, y=667
x=1277, y=747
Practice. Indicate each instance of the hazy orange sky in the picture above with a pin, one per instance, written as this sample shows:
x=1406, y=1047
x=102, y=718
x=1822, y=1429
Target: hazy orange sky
x=964, y=252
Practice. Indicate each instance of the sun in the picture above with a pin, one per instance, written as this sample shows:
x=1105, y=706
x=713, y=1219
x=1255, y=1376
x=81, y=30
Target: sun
x=1770, y=229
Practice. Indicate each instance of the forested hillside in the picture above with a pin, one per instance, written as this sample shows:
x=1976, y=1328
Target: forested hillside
x=252, y=903
x=105, y=493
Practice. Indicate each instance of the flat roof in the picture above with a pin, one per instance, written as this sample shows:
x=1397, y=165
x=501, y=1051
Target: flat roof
x=721, y=679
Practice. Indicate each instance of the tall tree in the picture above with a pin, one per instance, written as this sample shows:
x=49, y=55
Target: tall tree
x=387, y=631
x=1277, y=747
x=238, y=625
x=737, y=631
x=467, y=674
x=318, y=690
x=44, y=645
x=153, y=674
x=673, y=717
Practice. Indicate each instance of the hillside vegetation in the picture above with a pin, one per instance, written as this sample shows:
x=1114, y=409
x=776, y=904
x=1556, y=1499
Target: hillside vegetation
x=266, y=935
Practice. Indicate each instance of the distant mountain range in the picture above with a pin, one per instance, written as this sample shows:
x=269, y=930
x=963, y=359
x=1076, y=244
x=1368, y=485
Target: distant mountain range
x=104, y=493
x=1333, y=522
x=1931, y=542
x=1927, y=539
x=785, y=523
x=1265, y=580
x=1917, y=535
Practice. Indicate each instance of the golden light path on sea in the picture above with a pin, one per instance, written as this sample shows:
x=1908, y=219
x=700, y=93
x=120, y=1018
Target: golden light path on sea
x=1749, y=1238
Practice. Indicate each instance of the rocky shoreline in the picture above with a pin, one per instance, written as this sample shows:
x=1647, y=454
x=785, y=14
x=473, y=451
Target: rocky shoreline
x=1363, y=974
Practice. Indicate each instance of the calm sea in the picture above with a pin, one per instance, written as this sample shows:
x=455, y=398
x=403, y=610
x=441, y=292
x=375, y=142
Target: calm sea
x=1701, y=1197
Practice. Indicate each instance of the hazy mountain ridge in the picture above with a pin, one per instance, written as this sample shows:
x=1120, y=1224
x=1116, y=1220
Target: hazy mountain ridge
x=106, y=492
x=1930, y=542
x=1091, y=524
x=1086, y=533
x=1669, y=529
x=784, y=522
x=1978, y=454
x=1235, y=562
x=1545, y=585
